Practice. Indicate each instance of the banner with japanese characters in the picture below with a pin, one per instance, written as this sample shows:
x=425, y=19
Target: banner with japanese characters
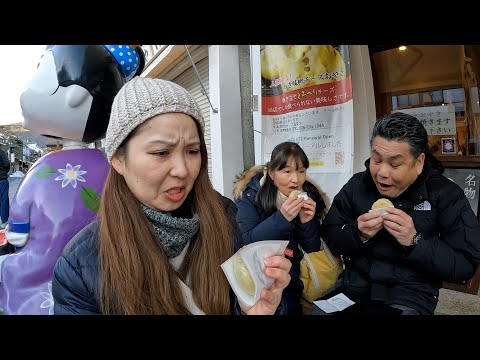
x=469, y=181
x=440, y=123
x=307, y=98
x=437, y=120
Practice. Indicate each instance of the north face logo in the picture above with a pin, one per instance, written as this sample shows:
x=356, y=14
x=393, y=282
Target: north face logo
x=423, y=206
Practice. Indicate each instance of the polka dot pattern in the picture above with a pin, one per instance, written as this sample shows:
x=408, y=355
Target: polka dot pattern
x=126, y=57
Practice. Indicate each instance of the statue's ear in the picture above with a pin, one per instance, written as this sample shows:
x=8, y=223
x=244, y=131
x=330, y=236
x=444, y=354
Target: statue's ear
x=76, y=96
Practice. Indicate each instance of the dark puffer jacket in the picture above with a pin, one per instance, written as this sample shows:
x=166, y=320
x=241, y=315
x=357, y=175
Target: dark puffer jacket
x=256, y=225
x=384, y=270
x=75, y=280
x=4, y=165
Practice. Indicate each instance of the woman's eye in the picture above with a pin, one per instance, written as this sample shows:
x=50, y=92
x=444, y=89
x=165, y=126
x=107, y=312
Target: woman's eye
x=194, y=152
x=161, y=153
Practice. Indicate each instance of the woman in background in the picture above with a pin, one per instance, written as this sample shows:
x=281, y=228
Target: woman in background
x=266, y=211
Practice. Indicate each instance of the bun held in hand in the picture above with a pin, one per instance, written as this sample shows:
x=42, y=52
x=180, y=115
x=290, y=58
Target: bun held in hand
x=242, y=275
x=382, y=203
x=298, y=193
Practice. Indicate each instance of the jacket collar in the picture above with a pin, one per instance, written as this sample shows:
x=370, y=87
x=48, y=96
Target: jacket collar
x=244, y=180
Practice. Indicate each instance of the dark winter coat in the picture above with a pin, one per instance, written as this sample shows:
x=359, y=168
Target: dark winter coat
x=4, y=165
x=75, y=281
x=255, y=225
x=382, y=269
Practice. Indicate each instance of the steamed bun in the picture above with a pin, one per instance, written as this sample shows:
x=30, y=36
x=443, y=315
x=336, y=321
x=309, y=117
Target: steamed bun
x=243, y=276
x=295, y=193
x=298, y=193
x=382, y=203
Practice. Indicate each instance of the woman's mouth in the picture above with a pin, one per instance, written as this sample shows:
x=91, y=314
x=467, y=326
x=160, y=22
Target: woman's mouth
x=175, y=194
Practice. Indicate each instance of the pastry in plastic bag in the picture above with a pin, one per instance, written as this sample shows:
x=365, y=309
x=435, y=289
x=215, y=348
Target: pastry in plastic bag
x=382, y=203
x=298, y=193
x=245, y=270
x=242, y=274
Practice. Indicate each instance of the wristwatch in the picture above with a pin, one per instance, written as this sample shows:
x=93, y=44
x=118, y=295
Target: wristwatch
x=416, y=238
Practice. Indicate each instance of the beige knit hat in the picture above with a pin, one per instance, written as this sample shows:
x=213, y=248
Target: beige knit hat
x=141, y=99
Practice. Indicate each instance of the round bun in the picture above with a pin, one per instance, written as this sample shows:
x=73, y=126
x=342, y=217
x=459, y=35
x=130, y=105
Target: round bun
x=295, y=193
x=382, y=203
x=242, y=275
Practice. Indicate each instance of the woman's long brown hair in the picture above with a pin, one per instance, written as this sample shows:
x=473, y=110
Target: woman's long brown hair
x=135, y=276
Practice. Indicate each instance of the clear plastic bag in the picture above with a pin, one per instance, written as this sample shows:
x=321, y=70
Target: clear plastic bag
x=382, y=211
x=245, y=270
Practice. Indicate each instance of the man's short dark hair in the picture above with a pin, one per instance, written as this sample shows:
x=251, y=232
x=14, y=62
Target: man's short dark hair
x=402, y=127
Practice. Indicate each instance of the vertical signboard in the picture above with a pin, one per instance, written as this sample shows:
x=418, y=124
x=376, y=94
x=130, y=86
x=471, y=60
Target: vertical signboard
x=469, y=181
x=307, y=99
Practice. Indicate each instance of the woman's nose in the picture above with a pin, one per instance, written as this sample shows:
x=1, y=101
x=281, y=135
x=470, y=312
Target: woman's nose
x=294, y=177
x=179, y=167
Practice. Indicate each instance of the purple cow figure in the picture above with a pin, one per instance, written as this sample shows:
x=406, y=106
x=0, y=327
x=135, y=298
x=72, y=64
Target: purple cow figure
x=69, y=97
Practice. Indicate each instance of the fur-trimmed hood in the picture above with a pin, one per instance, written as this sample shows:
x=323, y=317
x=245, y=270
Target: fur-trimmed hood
x=241, y=182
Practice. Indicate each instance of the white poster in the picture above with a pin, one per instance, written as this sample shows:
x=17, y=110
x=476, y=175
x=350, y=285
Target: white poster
x=437, y=120
x=307, y=99
x=324, y=136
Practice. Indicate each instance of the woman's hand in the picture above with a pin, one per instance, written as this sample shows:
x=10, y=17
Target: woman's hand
x=291, y=207
x=276, y=267
x=307, y=212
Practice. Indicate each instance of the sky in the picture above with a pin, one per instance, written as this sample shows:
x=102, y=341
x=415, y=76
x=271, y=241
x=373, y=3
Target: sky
x=18, y=63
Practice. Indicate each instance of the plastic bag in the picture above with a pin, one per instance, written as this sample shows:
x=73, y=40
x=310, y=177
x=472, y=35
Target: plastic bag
x=245, y=270
x=319, y=272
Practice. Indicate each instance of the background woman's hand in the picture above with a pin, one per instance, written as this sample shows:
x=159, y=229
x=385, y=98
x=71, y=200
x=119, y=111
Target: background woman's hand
x=307, y=212
x=291, y=207
x=276, y=267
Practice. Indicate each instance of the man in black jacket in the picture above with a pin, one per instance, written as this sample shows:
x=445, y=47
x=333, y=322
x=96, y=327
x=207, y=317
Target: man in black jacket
x=397, y=258
x=4, y=187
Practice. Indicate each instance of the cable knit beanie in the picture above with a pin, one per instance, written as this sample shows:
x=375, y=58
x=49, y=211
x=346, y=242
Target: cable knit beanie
x=141, y=99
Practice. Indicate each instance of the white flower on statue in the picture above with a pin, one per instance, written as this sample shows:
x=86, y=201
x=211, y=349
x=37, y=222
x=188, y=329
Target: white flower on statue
x=48, y=303
x=71, y=175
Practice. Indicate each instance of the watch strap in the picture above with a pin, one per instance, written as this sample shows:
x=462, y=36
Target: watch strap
x=416, y=238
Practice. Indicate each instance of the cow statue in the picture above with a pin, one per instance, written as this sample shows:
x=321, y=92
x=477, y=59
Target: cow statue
x=69, y=97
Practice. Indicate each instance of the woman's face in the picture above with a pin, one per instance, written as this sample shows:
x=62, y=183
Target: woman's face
x=289, y=178
x=162, y=161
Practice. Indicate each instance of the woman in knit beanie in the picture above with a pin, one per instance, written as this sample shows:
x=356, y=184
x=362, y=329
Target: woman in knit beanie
x=163, y=231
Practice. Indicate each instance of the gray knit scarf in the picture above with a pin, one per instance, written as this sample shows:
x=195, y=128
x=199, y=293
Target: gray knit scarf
x=174, y=233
